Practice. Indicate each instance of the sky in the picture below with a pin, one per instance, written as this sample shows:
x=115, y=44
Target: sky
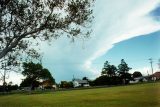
x=122, y=29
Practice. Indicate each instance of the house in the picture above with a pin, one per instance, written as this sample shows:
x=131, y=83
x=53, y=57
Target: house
x=26, y=88
x=140, y=79
x=156, y=76
x=80, y=83
x=47, y=84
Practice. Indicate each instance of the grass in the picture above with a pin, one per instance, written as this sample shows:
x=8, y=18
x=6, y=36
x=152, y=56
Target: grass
x=140, y=95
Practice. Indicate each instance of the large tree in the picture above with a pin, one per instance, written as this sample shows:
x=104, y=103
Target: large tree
x=137, y=74
x=123, y=69
x=25, y=21
x=109, y=70
x=34, y=73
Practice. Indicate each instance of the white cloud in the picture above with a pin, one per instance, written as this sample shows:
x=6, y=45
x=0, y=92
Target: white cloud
x=126, y=20
x=115, y=21
x=14, y=77
x=144, y=70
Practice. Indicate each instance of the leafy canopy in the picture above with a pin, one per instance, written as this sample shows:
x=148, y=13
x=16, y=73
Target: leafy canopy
x=35, y=72
x=23, y=23
x=123, y=67
x=109, y=70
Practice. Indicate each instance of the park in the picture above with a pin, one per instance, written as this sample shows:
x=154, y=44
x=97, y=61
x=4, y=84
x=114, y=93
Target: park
x=79, y=53
x=139, y=95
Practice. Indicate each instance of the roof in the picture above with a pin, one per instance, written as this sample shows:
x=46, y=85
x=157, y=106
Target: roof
x=156, y=74
x=81, y=81
x=138, y=78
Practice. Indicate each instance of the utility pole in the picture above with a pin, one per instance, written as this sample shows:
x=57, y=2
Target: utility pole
x=159, y=63
x=147, y=72
x=151, y=62
x=73, y=78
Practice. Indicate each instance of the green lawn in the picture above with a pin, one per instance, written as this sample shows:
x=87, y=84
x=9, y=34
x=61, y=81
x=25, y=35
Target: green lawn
x=141, y=95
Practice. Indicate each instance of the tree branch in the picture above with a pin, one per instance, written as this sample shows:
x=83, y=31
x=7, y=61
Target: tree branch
x=15, y=43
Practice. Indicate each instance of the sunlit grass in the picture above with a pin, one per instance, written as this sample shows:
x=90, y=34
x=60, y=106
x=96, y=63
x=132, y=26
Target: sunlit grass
x=140, y=95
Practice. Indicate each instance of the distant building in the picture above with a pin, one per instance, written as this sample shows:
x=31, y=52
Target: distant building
x=156, y=76
x=80, y=83
x=26, y=89
x=47, y=84
x=140, y=79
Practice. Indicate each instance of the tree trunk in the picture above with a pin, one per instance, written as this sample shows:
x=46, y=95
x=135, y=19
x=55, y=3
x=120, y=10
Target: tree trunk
x=4, y=80
x=4, y=84
x=124, y=81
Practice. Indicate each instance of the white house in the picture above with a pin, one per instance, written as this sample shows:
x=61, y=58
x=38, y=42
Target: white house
x=139, y=79
x=80, y=83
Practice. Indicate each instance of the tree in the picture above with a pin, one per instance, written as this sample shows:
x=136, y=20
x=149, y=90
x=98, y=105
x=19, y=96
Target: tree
x=4, y=73
x=34, y=73
x=137, y=74
x=12, y=87
x=24, y=20
x=108, y=69
x=24, y=23
x=9, y=63
x=123, y=71
x=123, y=67
x=65, y=84
x=106, y=80
x=85, y=78
x=29, y=82
x=113, y=70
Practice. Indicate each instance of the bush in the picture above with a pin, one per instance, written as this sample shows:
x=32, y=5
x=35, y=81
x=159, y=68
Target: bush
x=105, y=80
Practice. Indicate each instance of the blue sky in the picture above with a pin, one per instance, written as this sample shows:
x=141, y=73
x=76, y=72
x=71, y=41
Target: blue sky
x=136, y=52
x=126, y=29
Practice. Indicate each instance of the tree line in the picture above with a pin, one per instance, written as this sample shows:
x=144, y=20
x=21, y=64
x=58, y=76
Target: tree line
x=112, y=75
x=37, y=76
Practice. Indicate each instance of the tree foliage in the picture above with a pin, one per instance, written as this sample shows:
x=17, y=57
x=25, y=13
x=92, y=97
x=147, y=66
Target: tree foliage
x=108, y=69
x=106, y=80
x=137, y=74
x=65, y=84
x=29, y=82
x=85, y=78
x=123, y=69
x=34, y=73
x=25, y=22
x=111, y=75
